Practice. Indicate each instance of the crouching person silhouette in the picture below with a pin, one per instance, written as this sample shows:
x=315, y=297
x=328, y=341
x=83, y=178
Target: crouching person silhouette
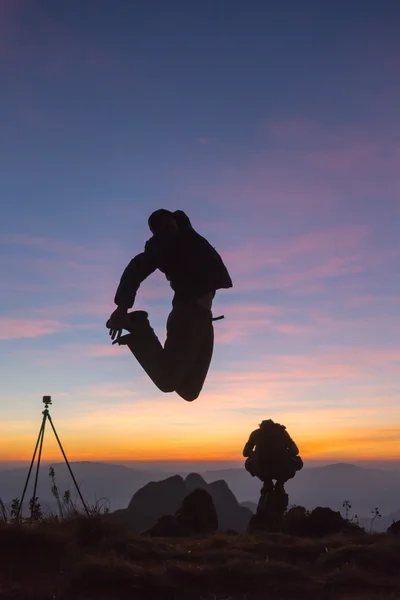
x=271, y=455
x=195, y=271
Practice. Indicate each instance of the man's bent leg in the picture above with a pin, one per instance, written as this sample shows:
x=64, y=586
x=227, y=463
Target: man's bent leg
x=182, y=346
x=167, y=366
x=190, y=386
x=145, y=346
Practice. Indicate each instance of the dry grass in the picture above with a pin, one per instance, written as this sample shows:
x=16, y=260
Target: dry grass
x=91, y=559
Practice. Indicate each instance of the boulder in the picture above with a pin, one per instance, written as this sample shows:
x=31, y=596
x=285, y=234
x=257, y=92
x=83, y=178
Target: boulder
x=270, y=513
x=154, y=500
x=166, y=497
x=166, y=526
x=394, y=528
x=320, y=522
x=197, y=513
x=324, y=521
x=295, y=521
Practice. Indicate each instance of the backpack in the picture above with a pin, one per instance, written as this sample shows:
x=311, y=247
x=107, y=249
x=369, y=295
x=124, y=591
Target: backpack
x=272, y=440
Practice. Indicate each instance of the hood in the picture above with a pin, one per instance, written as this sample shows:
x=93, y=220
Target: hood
x=182, y=219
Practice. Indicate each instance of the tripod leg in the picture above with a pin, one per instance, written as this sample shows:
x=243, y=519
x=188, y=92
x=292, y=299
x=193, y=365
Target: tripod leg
x=38, y=463
x=69, y=467
x=40, y=436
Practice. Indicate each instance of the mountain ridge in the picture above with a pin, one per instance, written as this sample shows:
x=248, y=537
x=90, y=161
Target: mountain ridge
x=329, y=485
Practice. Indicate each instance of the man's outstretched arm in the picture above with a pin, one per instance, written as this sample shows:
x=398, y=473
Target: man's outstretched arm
x=135, y=273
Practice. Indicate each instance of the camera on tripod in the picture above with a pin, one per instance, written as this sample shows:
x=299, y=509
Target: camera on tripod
x=39, y=446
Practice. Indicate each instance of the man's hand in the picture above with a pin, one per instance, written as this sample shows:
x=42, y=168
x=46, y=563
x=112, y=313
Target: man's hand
x=117, y=322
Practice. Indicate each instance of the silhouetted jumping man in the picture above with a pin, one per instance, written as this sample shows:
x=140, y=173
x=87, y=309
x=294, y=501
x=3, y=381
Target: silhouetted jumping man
x=195, y=271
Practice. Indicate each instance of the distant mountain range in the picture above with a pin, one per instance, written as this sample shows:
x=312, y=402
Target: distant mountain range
x=160, y=498
x=364, y=488
x=96, y=481
x=329, y=486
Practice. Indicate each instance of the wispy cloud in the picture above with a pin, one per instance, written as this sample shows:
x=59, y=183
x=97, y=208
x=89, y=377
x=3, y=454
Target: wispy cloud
x=300, y=262
x=24, y=328
x=68, y=250
x=316, y=246
x=249, y=319
x=300, y=166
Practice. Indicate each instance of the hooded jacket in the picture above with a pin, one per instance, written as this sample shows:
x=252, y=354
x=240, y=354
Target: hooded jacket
x=270, y=442
x=191, y=265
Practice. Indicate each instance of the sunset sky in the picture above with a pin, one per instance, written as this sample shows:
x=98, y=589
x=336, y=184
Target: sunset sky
x=276, y=127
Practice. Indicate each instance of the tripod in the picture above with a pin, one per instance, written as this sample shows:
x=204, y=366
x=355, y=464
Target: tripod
x=39, y=443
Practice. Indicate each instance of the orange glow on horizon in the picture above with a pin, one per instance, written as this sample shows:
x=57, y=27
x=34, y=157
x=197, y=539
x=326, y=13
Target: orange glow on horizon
x=362, y=444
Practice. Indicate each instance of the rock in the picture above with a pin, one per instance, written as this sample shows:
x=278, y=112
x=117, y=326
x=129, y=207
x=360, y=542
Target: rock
x=320, y=522
x=324, y=521
x=154, y=500
x=270, y=512
x=295, y=521
x=250, y=505
x=230, y=514
x=165, y=497
x=394, y=528
x=195, y=481
x=167, y=526
x=197, y=513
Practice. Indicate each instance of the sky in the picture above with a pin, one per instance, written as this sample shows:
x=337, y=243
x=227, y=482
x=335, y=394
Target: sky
x=275, y=127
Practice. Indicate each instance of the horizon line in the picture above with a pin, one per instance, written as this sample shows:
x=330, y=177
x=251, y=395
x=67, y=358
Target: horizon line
x=347, y=460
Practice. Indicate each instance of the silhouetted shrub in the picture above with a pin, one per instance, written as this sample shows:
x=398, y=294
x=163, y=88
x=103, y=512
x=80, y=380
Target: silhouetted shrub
x=320, y=522
x=394, y=528
x=296, y=521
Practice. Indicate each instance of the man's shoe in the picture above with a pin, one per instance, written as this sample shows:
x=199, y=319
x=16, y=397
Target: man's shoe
x=124, y=339
x=135, y=319
x=132, y=319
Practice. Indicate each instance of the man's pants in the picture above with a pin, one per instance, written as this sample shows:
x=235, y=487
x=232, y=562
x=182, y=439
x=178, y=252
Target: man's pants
x=182, y=365
x=281, y=470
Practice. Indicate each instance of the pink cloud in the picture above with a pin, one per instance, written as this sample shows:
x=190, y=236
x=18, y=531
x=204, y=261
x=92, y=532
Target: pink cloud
x=336, y=244
x=98, y=351
x=292, y=129
x=247, y=319
x=302, y=262
x=369, y=357
x=254, y=311
x=345, y=160
x=67, y=249
x=301, y=166
x=24, y=328
x=115, y=389
x=331, y=362
x=364, y=159
x=73, y=309
x=91, y=271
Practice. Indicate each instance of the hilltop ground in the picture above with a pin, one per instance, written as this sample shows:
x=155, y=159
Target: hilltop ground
x=90, y=559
